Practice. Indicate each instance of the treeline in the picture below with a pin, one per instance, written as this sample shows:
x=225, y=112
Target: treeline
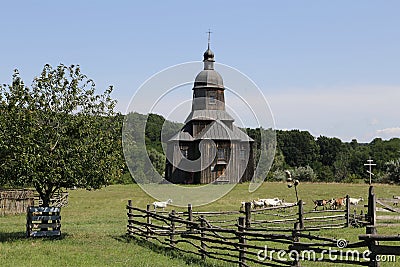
x=325, y=159
x=328, y=159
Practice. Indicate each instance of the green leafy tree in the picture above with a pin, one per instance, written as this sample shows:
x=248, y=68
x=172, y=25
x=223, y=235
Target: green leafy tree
x=57, y=133
x=393, y=171
x=329, y=148
x=299, y=147
x=304, y=174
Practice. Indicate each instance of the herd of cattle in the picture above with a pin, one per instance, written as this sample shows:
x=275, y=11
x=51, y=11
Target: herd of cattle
x=334, y=203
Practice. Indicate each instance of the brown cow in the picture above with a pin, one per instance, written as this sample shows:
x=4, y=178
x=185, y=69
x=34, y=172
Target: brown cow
x=320, y=203
x=338, y=202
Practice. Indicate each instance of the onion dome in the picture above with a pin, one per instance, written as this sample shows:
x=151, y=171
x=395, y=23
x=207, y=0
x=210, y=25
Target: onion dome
x=208, y=77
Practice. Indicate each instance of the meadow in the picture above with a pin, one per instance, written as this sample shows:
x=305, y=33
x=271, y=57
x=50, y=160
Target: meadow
x=94, y=226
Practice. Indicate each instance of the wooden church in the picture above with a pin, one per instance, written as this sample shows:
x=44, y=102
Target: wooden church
x=209, y=148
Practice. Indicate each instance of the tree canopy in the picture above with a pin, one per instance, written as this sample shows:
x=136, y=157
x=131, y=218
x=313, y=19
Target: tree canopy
x=57, y=133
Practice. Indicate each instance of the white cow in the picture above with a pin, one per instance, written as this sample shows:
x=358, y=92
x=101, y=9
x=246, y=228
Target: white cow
x=161, y=204
x=354, y=201
x=271, y=202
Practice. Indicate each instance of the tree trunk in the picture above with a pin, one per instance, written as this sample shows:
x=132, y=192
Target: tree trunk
x=45, y=194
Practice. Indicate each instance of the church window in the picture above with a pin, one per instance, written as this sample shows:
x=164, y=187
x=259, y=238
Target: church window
x=212, y=97
x=242, y=154
x=221, y=154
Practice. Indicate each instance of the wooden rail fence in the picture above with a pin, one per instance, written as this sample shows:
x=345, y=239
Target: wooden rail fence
x=245, y=241
x=378, y=209
x=15, y=201
x=59, y=199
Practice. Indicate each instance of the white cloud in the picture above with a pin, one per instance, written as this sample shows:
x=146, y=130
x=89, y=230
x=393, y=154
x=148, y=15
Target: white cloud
x=388, y=132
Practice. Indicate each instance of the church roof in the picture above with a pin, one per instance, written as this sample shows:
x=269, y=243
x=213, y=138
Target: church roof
x=209, y=115
x=208, y=78
x=182, y=135
x=218, y=130
x=241, y=134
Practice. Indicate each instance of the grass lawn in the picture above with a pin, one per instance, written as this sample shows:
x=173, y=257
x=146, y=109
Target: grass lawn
x=94, y=226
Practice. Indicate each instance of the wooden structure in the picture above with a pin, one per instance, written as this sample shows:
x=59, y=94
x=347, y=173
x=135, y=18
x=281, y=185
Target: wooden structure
x=209, y=148
x=15, y=201
x=59, y=199
x=43, y=221
x=237, y=238
x=381, y=205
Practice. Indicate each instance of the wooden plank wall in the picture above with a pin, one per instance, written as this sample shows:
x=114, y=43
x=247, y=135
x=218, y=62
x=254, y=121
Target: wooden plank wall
x=14, y=202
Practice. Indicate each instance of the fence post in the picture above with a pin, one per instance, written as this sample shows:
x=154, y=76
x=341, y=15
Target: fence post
x=347, y=211
x=247, y=209
x=242, y=241
x=202, y=235
x=371, y=206
x=301, y=214
x=148, y=221
x=172, y=229
x=295, y=236
x=371, y=229
x=190, y=218
x=130, y=217
x=355, y=217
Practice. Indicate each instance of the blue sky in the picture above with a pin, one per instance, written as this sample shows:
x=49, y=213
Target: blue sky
x=329, y=67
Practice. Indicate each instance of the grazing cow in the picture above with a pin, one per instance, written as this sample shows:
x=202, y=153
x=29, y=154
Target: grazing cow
x=354, y=201
x=338, y=202
x=320, y=203
x=258, y=203
x=161, y=204
x=271, y=202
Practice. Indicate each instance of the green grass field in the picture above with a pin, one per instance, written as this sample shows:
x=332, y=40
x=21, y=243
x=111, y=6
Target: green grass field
x=94, y=227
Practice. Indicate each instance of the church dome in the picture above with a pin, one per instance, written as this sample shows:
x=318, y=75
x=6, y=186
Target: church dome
x=208, y=78
x=208, y=55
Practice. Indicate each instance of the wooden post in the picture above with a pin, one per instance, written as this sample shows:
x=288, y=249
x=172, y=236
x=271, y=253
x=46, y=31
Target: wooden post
x=295, y=236
x=148, y=221
x=371, y=229
x=371, y=206
x=129, y=216
x=172, y=229
x=373, y=210
x=355, y=218
x=242, y=241
x=190, y=218
x=301, y=214
x=202, y=243
x=247, y=210
x=347, y=211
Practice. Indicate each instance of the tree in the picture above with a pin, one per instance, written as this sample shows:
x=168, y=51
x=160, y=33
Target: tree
x=304, y=174
x=58, y=133
x=299, y=147
x=329, y=148
x=393, y=170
